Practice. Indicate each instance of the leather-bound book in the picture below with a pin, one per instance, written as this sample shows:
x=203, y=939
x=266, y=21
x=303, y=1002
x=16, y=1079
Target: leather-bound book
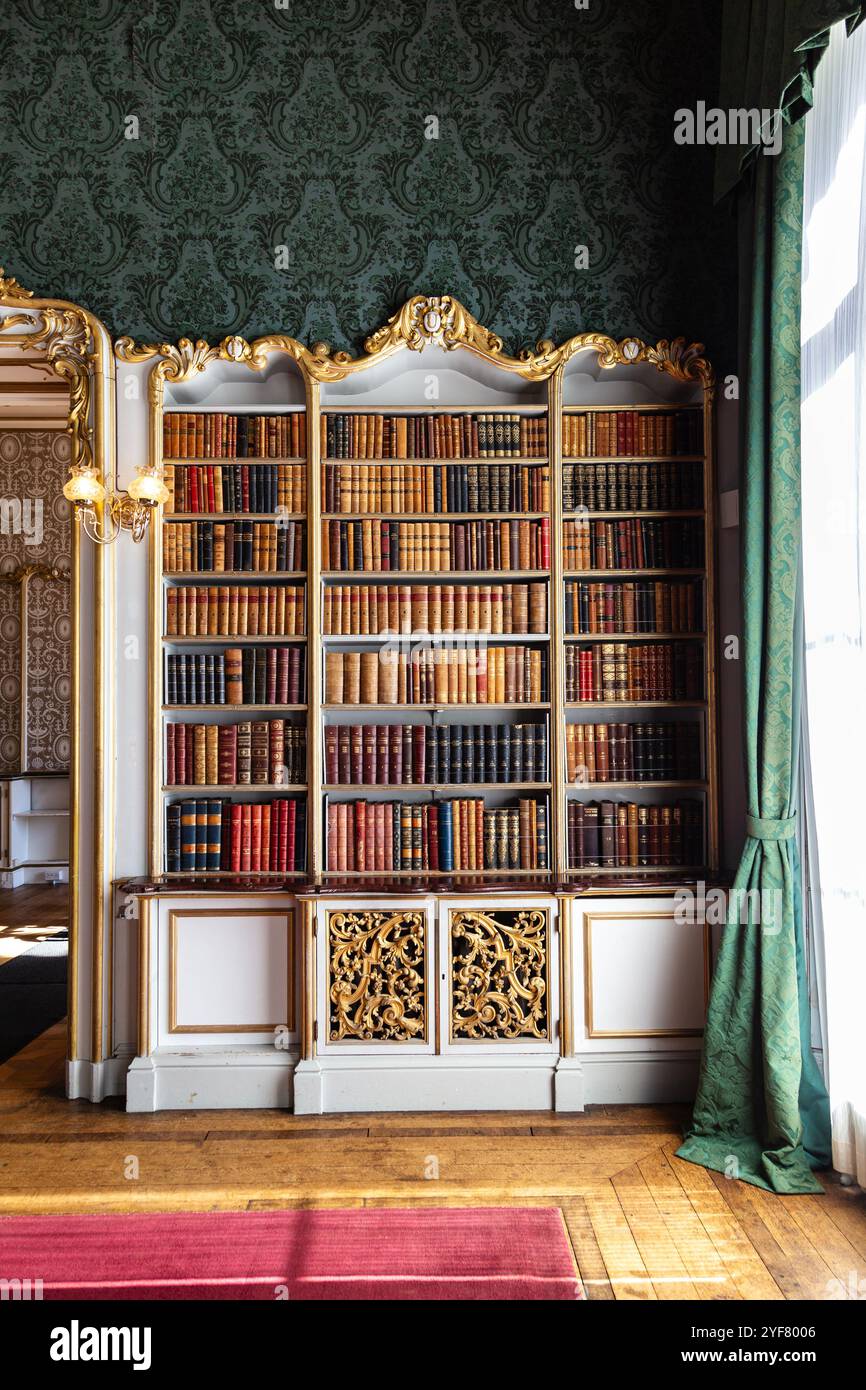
x=364, y=677
x=591, y=842
x=332, y=770
x=244, y=752
x=356, y=754
x=233, y=665
x=351, y=678
x=211, y=754
x=334, y=683
x=173, y=853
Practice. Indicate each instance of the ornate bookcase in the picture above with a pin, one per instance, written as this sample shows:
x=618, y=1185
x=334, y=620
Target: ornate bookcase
x=471, y=961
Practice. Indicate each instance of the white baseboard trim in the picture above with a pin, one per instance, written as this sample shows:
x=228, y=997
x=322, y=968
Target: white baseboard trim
x=248, y=1079
x=648, y=1078
x=348, y=1085
x=95, y=1080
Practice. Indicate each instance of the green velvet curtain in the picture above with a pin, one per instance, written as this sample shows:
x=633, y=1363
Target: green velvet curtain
x=762, y=1112
x=770, y=49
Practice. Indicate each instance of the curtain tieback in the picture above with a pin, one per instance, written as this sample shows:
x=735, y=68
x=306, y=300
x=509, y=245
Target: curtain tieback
x=764, y=828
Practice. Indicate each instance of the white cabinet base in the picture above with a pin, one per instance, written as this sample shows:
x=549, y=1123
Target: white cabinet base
x=254, y=1078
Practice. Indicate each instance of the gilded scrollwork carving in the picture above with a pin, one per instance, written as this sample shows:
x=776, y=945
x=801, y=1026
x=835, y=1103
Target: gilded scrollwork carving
x=377, y=970
x=433, y=319
x=499, y=974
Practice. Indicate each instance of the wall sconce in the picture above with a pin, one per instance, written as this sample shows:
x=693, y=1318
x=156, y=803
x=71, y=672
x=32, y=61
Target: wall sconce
x=105, y=514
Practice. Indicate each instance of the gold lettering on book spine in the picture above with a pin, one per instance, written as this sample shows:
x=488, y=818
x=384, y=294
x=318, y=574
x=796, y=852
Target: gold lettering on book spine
x=377, y=971
x=499, y=970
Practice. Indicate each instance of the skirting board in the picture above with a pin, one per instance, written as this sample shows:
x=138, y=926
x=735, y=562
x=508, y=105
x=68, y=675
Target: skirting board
x=95, y=1080
x=648, y=1078
x=252, y=1079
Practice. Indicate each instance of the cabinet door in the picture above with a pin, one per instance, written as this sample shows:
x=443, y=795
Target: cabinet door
x=499, y=975
x=375, y=977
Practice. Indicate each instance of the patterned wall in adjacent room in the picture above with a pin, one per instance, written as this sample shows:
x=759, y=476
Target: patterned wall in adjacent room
x=33, y=466
x=304, y=126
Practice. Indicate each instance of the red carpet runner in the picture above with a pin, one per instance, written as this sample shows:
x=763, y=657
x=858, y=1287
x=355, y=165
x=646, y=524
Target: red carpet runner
x=431, y=1253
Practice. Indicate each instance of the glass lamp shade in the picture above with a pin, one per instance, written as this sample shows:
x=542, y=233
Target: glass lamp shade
x=84, y=487
x=148, y=487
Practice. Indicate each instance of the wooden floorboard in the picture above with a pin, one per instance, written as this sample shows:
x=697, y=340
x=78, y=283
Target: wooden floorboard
x=643, y=1224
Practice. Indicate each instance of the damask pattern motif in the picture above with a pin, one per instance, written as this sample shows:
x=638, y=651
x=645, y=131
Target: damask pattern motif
x=33, y=468
x=305, y=128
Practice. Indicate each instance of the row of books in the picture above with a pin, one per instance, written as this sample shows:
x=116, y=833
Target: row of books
x=633, y=752
x=236, y=487
x=218, y=435
x=625, y=671
x=641, y=433
x=435, y=545
x=256, y=752
x=442, y=836
x=623, y=834
x=416, y=754
x=233, y=547
x=633, y=544
x=235, y=610
x=632, y=487
x=434, y=436
x=236, y=836
x=437, y=675
x=456, y=487
x=660, y=605
x=389, y=609
x=238, y=676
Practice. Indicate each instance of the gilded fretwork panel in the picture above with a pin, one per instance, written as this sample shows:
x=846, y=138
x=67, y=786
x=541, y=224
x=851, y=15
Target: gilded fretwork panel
x=499, y=974
x=377, y=975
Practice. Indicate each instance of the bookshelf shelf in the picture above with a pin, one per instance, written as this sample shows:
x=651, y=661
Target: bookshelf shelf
x=438, y=708
x=272, y=639
x=233, y=576
x=635, y=636
x=580, y=513
x=236, y=516
x=647, y=785
x=451, y=788
x=418, y=517
x=528, y=461
x=634, y=458
x=191, y=788
x=273, y=710
x=634, y=574
x=634, y=704
x=219, y=462
x=419, y=638
x=426, y=576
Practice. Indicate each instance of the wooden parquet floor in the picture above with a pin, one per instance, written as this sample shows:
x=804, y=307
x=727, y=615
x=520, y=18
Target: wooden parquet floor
x=643, y=1224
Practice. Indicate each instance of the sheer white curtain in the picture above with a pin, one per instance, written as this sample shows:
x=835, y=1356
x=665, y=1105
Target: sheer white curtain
x=834, y=559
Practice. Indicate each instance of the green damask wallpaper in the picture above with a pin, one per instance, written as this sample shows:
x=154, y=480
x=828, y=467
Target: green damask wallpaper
x=302, y=124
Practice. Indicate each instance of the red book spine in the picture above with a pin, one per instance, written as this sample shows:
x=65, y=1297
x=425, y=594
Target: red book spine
x=169, y=755
x=211, y=491
x=332, y=771
x=288, y=850
x=255, y=838
x=287, y=691
x=545, y=544
x=246, y=837
x=382, y=755
x=192, y=480
x=332, y=836
x=433, y=836
x=419, y=749
x=274, y=851
x=274, y=696
x=236, y=837
x=360, y=836
x=180, y=754
x=266, y=838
